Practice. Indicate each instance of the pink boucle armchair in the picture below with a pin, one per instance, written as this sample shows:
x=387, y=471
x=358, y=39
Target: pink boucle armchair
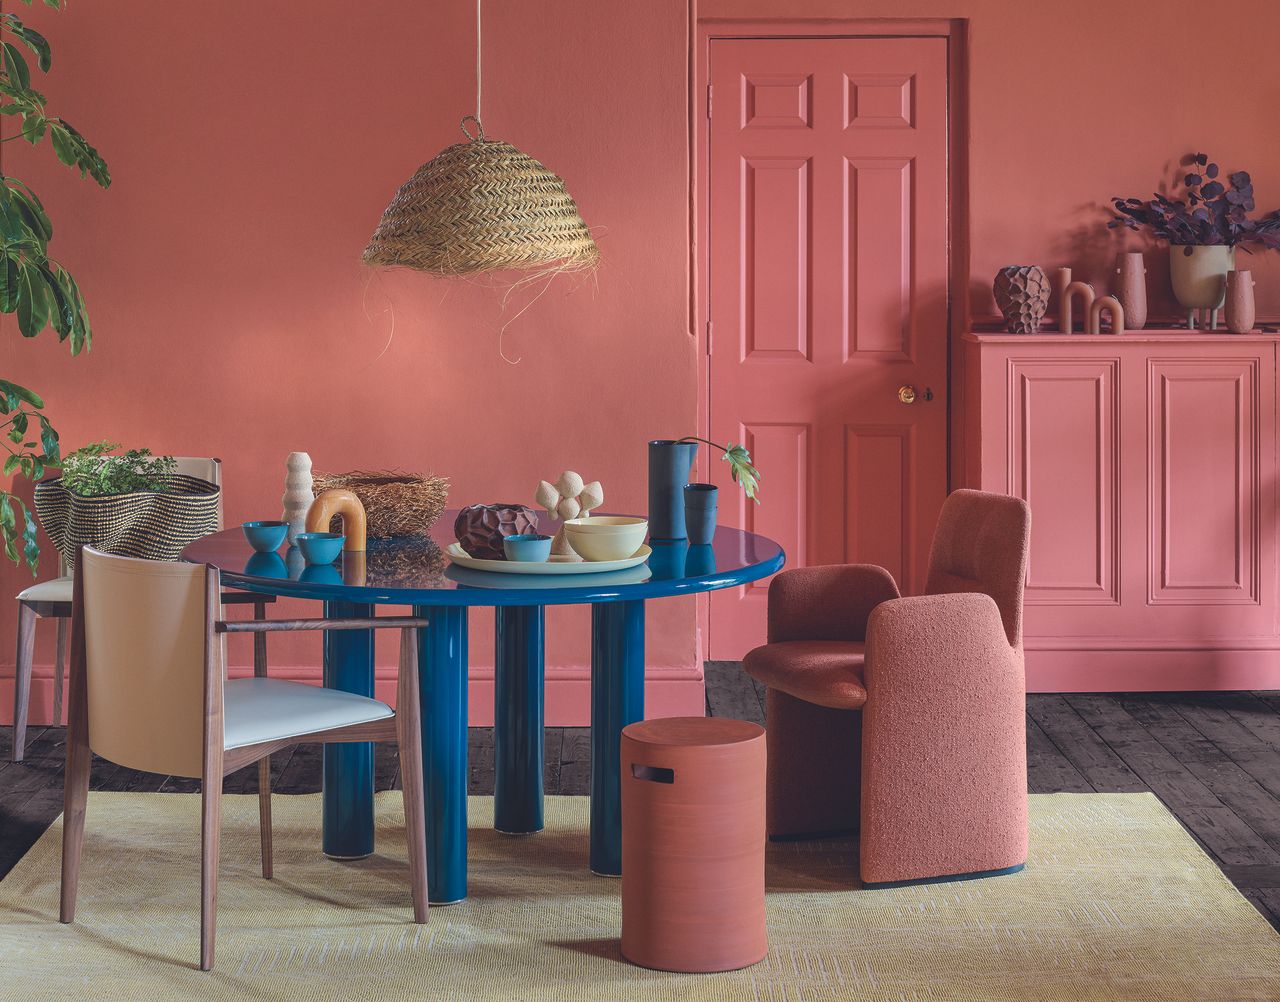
x=907, y=714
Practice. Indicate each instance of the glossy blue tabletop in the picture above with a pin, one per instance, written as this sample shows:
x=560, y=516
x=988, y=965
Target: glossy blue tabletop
x=411, y=570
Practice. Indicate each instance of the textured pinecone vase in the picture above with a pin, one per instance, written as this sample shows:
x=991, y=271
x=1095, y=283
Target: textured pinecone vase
x=1022, y=293
x=480, y=527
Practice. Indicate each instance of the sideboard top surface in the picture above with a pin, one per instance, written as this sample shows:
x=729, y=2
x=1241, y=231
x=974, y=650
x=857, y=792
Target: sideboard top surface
x=1179, y=335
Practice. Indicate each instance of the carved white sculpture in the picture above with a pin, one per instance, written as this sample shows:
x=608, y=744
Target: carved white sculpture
x=568, y=498
x=297, y=493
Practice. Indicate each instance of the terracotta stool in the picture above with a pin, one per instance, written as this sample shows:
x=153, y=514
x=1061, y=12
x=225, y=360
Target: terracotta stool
x=693, y=844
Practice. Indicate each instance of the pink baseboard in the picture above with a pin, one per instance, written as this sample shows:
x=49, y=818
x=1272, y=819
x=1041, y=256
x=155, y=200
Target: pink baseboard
x=1147, y=670
x=669, y=691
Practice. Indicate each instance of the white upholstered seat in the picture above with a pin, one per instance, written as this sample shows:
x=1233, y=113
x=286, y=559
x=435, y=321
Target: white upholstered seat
x=269, y=709
x=54, y=590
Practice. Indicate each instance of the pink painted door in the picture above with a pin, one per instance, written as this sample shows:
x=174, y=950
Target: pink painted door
x=827, y=293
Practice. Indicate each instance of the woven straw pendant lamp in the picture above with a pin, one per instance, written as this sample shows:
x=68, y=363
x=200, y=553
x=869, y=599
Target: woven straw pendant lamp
x=479, y=206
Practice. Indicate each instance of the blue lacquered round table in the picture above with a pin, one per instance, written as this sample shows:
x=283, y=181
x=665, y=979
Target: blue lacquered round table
x=416, y=572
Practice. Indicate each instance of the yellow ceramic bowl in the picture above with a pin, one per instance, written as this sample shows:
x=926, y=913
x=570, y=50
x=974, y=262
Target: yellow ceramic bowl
x=606, y=537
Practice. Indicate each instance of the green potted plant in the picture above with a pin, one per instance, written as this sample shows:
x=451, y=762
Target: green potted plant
x=133, y=504
x=33, y=287
x=1203, y=228
x=670, y=461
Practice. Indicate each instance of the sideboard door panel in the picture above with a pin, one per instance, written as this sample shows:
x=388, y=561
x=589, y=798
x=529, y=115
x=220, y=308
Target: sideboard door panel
x=1207, y=541
x=1063, y=460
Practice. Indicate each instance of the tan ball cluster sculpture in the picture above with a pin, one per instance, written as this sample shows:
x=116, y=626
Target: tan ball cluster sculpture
x=567, y=498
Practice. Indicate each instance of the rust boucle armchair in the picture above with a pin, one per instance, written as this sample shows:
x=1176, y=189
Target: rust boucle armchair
x=905, y=717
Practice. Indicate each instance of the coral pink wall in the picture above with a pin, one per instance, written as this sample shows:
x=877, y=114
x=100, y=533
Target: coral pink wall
x=254, y=147
x=1071, y=102
x=253, y=150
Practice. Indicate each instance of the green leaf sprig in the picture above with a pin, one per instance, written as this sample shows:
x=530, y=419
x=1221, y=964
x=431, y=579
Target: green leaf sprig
x=739, y=459
x=91, y=471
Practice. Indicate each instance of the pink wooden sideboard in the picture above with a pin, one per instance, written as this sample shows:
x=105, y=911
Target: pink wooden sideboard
x=1149, y=461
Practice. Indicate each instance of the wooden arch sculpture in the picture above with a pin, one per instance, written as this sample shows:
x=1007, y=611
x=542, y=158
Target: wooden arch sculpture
x=345, y=504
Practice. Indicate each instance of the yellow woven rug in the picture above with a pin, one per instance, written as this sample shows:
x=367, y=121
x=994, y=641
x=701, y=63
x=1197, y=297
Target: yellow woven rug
x=1117, y=902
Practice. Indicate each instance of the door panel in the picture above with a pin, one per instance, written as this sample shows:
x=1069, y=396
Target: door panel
x=827, y=291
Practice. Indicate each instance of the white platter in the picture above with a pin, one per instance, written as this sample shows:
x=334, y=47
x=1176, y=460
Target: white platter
x=459, y=556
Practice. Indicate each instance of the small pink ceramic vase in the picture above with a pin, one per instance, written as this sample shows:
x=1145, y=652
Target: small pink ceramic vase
x=1241, y=311
x=1131, y=288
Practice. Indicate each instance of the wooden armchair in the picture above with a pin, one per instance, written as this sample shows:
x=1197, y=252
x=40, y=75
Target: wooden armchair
x=148, y=690
x=52, y=600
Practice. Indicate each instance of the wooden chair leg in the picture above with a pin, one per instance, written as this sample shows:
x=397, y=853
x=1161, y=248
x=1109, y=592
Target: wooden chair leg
x=22, y=677
x=75, y=795
x=210, y=844
x=75, y=784
x=409, y=739
x=211, y=774
x=59, y=668
x=264, y=813
x=259, y=643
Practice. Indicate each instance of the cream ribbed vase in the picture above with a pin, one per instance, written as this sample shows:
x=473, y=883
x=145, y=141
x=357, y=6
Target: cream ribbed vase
x=297, y=493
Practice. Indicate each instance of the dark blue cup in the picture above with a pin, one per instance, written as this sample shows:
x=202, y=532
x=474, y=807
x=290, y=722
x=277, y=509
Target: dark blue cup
x=701, y=502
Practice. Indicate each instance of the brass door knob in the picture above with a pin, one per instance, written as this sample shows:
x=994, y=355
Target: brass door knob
x=908, y=395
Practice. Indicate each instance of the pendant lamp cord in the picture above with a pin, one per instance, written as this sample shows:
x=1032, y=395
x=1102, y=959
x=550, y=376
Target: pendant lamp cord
x=476, y=117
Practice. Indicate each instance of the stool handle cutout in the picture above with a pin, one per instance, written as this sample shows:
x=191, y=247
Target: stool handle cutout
x=652, y=773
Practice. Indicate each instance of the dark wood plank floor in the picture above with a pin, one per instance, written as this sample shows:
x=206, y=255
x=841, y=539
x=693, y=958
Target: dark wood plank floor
x=1212, y=758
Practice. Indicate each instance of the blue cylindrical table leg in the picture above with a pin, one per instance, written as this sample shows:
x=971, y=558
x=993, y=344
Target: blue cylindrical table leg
x=442, y=667
x=617, y=699
x=518, y=719
x=348, y=768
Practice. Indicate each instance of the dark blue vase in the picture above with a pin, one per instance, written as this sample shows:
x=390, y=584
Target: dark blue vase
x=669, y=465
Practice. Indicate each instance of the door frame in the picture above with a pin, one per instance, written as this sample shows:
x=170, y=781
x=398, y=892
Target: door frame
x=955, y=30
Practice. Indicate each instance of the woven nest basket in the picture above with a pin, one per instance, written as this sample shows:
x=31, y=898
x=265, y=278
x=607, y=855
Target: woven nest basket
x=149, y=525
x=482, y=206
x=395, y=504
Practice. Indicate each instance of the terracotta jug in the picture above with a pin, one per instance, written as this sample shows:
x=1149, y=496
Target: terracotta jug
x=1131, y=288
x=1062, y=279
x=1241, y=312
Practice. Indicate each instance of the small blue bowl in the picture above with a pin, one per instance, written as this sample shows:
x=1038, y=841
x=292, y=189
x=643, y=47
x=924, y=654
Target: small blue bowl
x=266, y=565
x=327, y=574
x=320, y=547
x=528, y=548
x=265, y=537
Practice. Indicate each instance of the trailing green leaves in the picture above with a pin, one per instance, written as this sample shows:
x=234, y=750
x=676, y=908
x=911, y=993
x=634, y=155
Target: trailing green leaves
x=34, y=287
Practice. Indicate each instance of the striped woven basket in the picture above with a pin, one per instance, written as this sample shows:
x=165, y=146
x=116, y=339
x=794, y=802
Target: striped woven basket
x=152, y=525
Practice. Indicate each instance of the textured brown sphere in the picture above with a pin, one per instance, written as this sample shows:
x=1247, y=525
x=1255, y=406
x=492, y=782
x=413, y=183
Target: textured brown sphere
x=1022, y=293
x=480, y=527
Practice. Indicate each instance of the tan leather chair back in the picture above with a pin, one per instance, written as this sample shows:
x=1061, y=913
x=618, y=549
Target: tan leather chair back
x=145, y=630
x=981, y=545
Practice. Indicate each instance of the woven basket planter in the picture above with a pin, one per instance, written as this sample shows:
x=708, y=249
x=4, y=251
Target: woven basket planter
x=395, y=504
x=482, y=206
x=152, y=525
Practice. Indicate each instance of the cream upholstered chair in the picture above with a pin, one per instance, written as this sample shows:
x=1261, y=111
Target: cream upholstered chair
x=148, y=691
x=53, y=599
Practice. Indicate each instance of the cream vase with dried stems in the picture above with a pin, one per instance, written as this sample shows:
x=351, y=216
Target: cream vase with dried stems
x=1200, y=280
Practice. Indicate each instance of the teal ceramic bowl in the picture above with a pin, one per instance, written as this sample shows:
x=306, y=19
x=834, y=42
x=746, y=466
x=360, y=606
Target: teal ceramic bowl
x=529, y=547
x=266, y=565
x=327, y=574
x=265, y=537
x=320, y=547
